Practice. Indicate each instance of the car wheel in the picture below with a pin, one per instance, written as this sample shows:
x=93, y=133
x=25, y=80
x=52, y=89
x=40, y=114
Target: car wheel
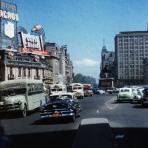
x=73, y=118
x=24, y=112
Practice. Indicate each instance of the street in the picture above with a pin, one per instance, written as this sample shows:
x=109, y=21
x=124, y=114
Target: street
x=118, y=114
x=123, y=118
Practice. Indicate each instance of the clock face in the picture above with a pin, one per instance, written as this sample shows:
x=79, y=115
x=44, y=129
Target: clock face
x=9, y=29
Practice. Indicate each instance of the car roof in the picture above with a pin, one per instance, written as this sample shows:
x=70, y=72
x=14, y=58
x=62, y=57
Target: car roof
x=62, y=93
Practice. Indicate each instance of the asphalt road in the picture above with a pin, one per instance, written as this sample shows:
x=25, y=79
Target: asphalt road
x=118, y=114
x=122, y=116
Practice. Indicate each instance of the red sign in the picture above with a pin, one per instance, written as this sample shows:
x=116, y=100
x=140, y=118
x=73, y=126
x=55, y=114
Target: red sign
x=33, y=51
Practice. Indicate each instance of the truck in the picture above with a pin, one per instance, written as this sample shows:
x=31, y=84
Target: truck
x=87, y=90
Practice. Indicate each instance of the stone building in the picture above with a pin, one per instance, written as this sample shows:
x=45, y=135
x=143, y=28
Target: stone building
x=107, y=69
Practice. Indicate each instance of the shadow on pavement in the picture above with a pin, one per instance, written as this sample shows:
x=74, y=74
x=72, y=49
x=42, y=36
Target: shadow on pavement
x=123, y=138
x=51, y=121
x=9, y=116
x=44, y=140
x=139, y=106
x=121, y=102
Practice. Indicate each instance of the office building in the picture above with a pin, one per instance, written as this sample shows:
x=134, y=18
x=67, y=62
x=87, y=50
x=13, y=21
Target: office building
x=131, y=48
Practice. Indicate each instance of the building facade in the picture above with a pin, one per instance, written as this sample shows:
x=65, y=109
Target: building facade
x=60, y=62
x=21, y=54
x=131, y=49
x=26, y=55
x=107, y=69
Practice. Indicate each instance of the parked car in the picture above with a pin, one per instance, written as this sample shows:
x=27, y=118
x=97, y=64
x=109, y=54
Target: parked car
x=100, y=92
x=144, y=99
x=61, y=108
x=138, y=94
x=125, y=94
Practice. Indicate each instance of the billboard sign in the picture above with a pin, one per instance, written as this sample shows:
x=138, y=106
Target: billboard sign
x=32, y=44
x=31, y=41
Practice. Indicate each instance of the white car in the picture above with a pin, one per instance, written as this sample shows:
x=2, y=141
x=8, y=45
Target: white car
x=125, y=94
x=100, y=92
x=63, y=95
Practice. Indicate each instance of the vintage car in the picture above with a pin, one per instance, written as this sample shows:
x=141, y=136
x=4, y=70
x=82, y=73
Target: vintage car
x=60, y=108
x=125, y=94
x=70, y=95
x=144, y=100
x=138, y=94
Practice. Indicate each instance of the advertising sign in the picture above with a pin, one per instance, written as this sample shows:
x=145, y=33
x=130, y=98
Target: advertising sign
x=31, y=41
x=32, y=44
x=9, y=29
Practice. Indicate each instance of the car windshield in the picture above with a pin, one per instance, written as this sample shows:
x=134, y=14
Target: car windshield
x=87, y=53
x=56, y=106
x=12, y=92
x=125, y=90
x=54, y=97
x=66, y=96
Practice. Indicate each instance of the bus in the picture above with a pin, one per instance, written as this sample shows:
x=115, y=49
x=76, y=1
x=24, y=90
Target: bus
x=57, y=88
x=78, y=88
x=87, y=90
x=21, y=95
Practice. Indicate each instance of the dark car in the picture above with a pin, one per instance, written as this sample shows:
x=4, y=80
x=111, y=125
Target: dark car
x=144, y=99
x=59, y=108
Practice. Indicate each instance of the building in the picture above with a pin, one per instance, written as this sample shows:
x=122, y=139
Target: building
x=26, y=55
x=107, y=69
x=66, y=65
x=60, y=62
x=145, y=69
x=130, y=49
x=21, y=54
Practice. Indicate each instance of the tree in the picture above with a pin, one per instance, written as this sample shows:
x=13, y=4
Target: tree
x=79, y=78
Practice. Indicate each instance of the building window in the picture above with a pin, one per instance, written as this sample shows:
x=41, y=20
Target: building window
x=24, y=72
x=19, y=72
x=11, y=71
x=11, y=75
x=37, y=72
x=43, y=73
x=29, y=72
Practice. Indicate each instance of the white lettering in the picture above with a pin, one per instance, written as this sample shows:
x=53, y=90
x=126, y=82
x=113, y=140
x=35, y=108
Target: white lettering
x=9, y=15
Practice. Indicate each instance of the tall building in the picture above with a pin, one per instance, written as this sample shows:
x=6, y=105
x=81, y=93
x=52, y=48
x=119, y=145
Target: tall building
x=130, y=50
x=107, y=69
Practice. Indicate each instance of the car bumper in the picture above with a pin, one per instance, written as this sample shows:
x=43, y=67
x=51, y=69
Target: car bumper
x=125, y=98
x=10, y=107
x=49, y=116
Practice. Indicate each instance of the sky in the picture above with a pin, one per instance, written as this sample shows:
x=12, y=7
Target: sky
x=83, y=25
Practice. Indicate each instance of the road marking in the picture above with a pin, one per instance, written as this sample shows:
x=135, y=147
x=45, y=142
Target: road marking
x=109, y=104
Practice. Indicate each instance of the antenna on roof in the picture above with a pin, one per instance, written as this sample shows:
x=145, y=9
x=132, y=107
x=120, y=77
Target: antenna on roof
x=103, y=42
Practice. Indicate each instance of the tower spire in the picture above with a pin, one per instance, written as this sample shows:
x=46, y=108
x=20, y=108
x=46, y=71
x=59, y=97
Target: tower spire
x=103, y=42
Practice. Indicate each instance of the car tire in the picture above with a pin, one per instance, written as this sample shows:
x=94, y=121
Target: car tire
x=73, y=118
x=23, y=112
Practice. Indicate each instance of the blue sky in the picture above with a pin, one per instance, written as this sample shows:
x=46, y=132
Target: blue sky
x=83, y=24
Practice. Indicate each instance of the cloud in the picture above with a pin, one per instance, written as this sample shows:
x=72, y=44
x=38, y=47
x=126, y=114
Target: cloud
x=86, y=62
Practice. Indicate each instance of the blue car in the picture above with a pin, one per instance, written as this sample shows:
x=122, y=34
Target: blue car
x=59, y=108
